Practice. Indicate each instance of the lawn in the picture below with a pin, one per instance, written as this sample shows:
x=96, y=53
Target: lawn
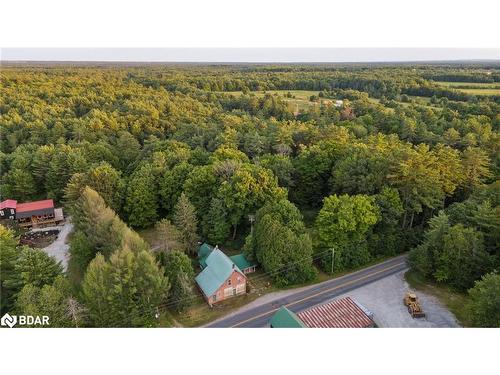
x=200, y=313
x=453, y=300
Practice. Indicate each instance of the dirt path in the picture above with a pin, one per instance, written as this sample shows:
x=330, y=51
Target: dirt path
x=59, y=249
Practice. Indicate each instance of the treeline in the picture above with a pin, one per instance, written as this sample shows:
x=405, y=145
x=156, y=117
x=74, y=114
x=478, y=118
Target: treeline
x=115, y=280
x=142, y=147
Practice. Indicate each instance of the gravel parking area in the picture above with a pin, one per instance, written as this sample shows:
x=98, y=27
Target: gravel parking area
x=384, y=298
x=59, y=249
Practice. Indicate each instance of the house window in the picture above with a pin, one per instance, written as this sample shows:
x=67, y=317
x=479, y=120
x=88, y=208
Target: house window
x=1, y=213
x=214, y=298
x=229, y=282
x=12, y=211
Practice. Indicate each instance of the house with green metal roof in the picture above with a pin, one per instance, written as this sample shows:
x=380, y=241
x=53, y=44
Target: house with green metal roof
x=284, y=318
x=221, y=278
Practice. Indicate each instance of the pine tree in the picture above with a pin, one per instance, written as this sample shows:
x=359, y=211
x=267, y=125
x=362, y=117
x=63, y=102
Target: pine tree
x=179, y=270
x=218, y=225
x=141, y=201
x=8, y=258
x=169, y=236
x=186, y=222
x=125, y=291
x=95, y=289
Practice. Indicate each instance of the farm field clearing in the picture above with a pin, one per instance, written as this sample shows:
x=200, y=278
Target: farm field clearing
x=481, y=91
x=473, y=88
x=299, y=98
x=470, y=84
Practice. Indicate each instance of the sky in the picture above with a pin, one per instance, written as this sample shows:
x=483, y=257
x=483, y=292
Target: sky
x=249, y=55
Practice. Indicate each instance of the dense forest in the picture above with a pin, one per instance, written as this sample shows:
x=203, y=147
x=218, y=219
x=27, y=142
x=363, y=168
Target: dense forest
x=372, y=161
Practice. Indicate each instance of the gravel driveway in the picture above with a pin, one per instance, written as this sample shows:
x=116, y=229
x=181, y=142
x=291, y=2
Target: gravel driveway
x=59, y=249
x=384, y=298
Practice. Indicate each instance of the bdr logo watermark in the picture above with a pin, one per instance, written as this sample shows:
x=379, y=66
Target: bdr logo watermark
x=24, y=320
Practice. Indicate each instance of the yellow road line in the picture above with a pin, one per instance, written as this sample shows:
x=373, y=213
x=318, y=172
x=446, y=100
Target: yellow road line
x=318, y=293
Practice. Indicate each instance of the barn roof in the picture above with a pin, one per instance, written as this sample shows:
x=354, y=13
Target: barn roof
x=284, y=318
x=341, y=313
x=34, y=206
x=219, y=268
x=8, y=203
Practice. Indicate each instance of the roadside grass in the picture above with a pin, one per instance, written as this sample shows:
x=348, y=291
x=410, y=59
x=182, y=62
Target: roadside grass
x=456, y=302
x=200, y=313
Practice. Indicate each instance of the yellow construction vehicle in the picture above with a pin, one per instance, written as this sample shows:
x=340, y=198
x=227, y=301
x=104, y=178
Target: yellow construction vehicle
x=411, y=302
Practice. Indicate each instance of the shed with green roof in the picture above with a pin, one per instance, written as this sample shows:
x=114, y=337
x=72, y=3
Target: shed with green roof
x=284, y=318
x=243, y=264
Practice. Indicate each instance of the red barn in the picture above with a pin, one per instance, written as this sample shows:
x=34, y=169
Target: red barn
x=31, y=214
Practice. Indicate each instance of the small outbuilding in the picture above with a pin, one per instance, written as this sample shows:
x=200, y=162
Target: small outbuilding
x=284, y=318
x=243, y=264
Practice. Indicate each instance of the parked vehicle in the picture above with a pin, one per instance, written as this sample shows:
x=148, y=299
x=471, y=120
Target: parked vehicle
x=414, y=308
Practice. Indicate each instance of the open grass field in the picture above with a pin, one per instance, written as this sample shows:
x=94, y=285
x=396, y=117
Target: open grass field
x=485, y=92
x=469, y=84
x=299, y=98
x=473, y=88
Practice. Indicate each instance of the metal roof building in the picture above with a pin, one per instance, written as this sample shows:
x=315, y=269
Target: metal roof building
x=341, y=313
x=219, y=268
x=284, y=318
x=29, y=209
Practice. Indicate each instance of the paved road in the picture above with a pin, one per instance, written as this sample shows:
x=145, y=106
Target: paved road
x=259, y=316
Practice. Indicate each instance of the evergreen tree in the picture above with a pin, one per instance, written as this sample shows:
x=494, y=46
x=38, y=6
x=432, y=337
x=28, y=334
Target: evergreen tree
x=8, y=259
x=32, y=266
x=186, y=222
x=141, y=198
x=218, y=226
x=170, y=238
x=179, y=271
x=124, y=292
x=51, y=300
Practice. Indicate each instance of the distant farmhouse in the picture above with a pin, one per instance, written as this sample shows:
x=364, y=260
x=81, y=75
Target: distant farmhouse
x=31, y=214
x=341, y=313
x=222, y=277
